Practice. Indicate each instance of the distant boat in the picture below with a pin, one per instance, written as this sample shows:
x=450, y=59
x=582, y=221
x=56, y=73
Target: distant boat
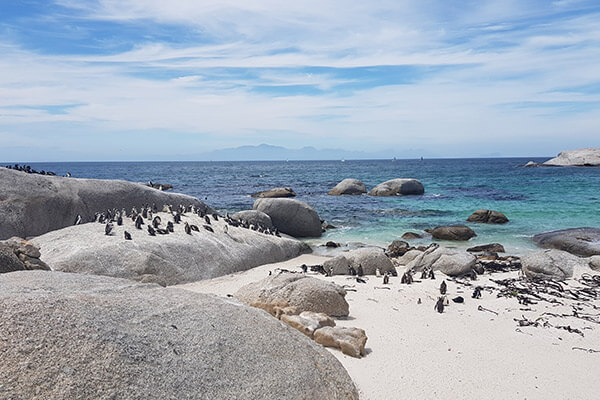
x=421, y=158
x=394, y=159
x=343, y=160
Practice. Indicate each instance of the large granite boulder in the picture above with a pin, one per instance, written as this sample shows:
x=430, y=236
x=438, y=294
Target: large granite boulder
x=17, y=254
x=451, y=262
x=551, y=264
x=370, y=258
x=254, y=217
x=588, y=157
x=32, y=204
x=397, y=248
x=580, y=241
x=70, y=336
x=398, y=187
x=276, y=192
x=453, y=232
x=408, y=257
x=351, y=341
x=488, y=217
x=291, y=216
x=166, y=259
x=294, y=293
x=348, y=187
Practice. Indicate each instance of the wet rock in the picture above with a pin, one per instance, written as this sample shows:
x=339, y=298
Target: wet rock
x=398, y=187
x=453, y=232
x=276, y=192
x=351, y=341
x=348, y=187
x=397, y=248
x=488, y=217
x=493, y=247
x=332, y=244
x=411, y=235
x=579, y=241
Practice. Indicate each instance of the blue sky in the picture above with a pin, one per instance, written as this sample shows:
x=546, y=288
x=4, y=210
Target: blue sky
x=151, y=79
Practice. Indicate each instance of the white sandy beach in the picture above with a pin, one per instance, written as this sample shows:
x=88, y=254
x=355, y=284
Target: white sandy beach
x=416, y=353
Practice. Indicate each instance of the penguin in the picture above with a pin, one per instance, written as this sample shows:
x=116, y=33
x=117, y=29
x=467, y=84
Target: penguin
x=151, y=231
x=187, y=228
x=439, y=306
x=78, y=220
x=359, y=270
x=162, y=231
x=170, y=227
x=139, y=221
x=127, y=235
x=304, y=268
x=351, y=270
x=360, y=280
x=477, y=293
x=156, y=222
x=144, y=212
x=377, y=273
x=443, y=287
x=386, y=279
x=215, y=216
x=431, y=274
x=225, y=229
x=177, y=218
x=207, y=220
x=208, y=228
x=194, y=228
x=446, y=301
x=458, y=299
x=424, y=273
x=108, y=229
x=120, y=220
x=407, y=278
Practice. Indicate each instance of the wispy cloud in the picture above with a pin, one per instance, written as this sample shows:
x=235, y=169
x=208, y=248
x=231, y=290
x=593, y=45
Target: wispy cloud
x=460, y=78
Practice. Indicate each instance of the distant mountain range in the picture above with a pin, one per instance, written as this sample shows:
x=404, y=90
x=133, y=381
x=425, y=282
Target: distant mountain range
x=266, y=152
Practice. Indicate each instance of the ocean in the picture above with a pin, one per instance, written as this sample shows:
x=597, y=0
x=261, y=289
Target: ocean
x=534, y=199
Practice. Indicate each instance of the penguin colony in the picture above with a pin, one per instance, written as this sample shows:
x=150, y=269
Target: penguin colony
x=146, y=218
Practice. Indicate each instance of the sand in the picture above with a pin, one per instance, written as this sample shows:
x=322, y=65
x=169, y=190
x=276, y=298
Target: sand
x=415, y=352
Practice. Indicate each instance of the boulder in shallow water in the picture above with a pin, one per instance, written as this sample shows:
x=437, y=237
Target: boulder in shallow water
x=71, y=336
x=588, y=157
x=398, y=187
x=370, y=258
x=579, y=241
x=276, y=192
x=411, y=235
x=453, y=232
x=348, y=187
x=291, y=216
x=294, y=293
x=351, y=341
x=492, y=247
x=551, y=264
x=254, y=217
x=34, y=204
x=488, y=217
x=166, y=259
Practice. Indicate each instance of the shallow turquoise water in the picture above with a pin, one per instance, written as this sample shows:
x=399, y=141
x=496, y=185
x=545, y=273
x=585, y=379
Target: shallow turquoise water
x=534, y=199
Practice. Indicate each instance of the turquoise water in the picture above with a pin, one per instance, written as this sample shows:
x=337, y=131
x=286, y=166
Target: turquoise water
x=534, y=199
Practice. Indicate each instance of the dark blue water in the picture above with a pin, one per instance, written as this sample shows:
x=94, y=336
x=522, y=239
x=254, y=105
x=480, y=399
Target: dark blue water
x=534, y=199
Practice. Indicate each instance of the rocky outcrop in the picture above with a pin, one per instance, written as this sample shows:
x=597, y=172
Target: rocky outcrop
x=493, y=247
x=398, y=187
x=253, y=217
x=348, y=187
x=70, y=336
x=488, y=217
x=308, y=322
x=580, y=241
x=351, y=341
x=287, y=293
x=369, y=258
x=408, y=257
x=588, y=157
x=453, y=232
x=451, y=262
x=276, y=192
x=294, y=217
x=551, y=264
x=17, y=254
x=32, y=204
x=411, y=235
x=168, y=259
x=397, y=248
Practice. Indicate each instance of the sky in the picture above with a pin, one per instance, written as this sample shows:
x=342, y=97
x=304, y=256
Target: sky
x=167, y=80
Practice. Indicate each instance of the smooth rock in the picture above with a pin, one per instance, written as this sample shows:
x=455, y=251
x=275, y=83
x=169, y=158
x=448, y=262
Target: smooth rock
x=492, y=247
x=71, y=336
x=594, y=263
x=587, y=157
x=398, y=187
x=579, y=241
x=276, y=192
x=294, y=293
x=408, y=257
x=531, y=164
x=291, y=216
x=488, y=217
x=166, y=259
x=308, y=322
x=370, y=258
x=411, y=235
x=451, y=262
x=452, y=232
x=551, y=264
x=348, y=187
x=254, y=217
x=34, y=204
x=351, y=341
